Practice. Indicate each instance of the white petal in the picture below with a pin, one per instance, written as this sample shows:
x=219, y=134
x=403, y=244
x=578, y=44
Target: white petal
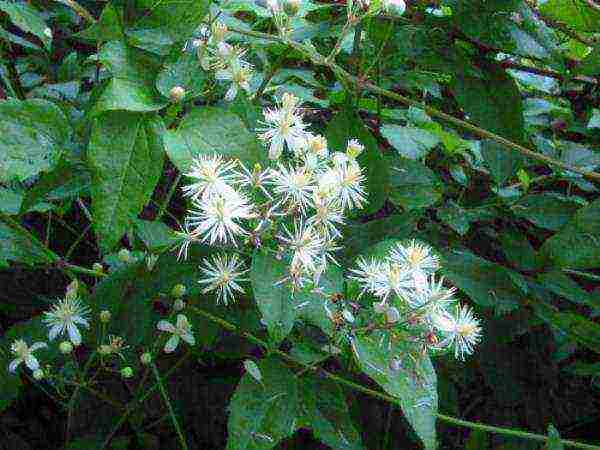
x=231, y=92
x=55, y=330
x=12, y=367
x=276, y=148
x=32, y=362
x=189, y=338
x=182, y=321
x=80, y=320
x=163, y=325
x=37, y=346
x=172, y=343
x=74, y=334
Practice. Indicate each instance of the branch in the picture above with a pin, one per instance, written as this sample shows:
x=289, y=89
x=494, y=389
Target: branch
x=545, y=72
x=318, y=59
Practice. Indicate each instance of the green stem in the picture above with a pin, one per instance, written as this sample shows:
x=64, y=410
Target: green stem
x=165, y=397
x=265, y=82
x=380, y=395
x=165, y=204
x=318, y=59
x=589, y=276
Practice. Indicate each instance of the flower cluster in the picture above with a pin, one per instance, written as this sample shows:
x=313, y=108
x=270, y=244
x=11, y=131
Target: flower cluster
x=405, y=284
x=300, y=200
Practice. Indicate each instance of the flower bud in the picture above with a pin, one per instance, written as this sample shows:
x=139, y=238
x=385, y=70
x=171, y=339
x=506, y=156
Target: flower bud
x=105, y=350
x=146, y=358
x=72, y=290
x=38, y=374
x=65, y=347
x=124, y=256
x=176, y=94
x=127, y=372
x=178, y=305
x=347, y=314
x=178, y=291
x=392, y=315
x=354, y=149
x=291, y=7
x=97, y=267
x=151, y=261
x=105, y=316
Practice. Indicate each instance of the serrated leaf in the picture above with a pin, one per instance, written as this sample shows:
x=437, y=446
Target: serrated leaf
x=323, y=409
x=33, y=133
x=29, y=19
x=211, y=130
x=132, y=86
x=346, y=126
x=410, y=142
x=19, y=246
x=412, y=184
x=415, y=384
x=262, y=414
x=577, y=244
x=274, y=301
x=125, y=154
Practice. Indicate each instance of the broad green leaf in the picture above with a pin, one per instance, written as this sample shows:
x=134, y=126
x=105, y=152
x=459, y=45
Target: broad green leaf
x=460, y=219
x=211, y=130
x=502, y=162
x=126, y=157
x=167, y=22
x=132, y=86
x=563, y=286
x=183, y=70
x=414, y=384
x=412, y=184
x=486, y=283
x=577, y=244
x=29, y=19
x=275, y=302
x=410, y=142
x=547, y=210
x=574, y=13
x=590, y=66
x=33, y=133
x=108, y=28
x=518, y=250
x=323, y=409
x=594, y=121
x=17, y=40
x=19, y=246
x=156, y=236
x=262, y=414
x=346, y=126
x=584, y=331
x=10, y=201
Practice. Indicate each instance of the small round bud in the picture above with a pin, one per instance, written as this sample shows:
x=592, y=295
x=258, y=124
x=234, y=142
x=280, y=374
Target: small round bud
x=178, y=291
x=124, y=255
x=291, y=7
x=105, y=316
x=347, y=314
x=146, y=358
x=105, y=349
x=176, y=94
x=127, y=372
x=48, y=32
x=178, y=305
x=65, y=347
x=392, y=315
x=38, y=374
x=97, y=267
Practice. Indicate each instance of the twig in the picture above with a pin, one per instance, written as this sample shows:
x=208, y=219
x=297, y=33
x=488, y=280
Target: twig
x=80, y=10
x=165, y=203
x=545, y=72
x=165, y=397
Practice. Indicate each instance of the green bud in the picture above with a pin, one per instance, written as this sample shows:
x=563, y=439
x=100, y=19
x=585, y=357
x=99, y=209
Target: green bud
x=105, y=316
x=178, y=305
x=124, y=255
x=146, y=358
x=127, y=372
x=178, y=291
x=65, y=347
x=97, y=267
x=38, y=374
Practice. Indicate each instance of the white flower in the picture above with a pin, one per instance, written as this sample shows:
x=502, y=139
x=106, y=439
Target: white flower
x=185, y=238
x=317, y=145
x=257, y=179
x=344, y=182
x=461, y=330
x=24, y=354
x=211, y=175
x=354, y=148
x=283, y=125
x=64, y=316
x=216, y=218
x=238, y=75
x=328, y=215
x=295, y=185
x=394, y=279
x=182, y=330
x=432, y=296
x=416, y=257
x=368, y=274
x=305, y=244
x=223, y=275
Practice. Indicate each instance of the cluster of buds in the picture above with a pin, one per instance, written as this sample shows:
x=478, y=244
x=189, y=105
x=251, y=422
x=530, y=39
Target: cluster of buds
x=409, y=295
x=301, y=200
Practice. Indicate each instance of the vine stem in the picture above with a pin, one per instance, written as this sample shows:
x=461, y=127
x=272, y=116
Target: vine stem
x=318, y=59
x=165, y=396
x=382, y=396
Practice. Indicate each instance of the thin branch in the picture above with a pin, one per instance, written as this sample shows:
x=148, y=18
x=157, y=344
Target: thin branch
x=80, y=10
x=546, y=72
x=165, y=397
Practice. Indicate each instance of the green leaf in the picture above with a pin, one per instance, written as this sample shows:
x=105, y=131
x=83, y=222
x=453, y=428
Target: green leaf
x=323, y=409
x=18, y=245
x=33, y=134
x=415, y=384
x=183, y=70
x=502, y=162
x=262, y=414
x=132, y=85
x=410, y=142
x=17, y=40
x=518, y=250
x=126, y=158
x=167, y=22
x=274, y=302
x=28, y=19
x=577, y=244
x=156, y=236
x=108, y=28
x=413, y=185
x=594, y=121
x=574, y=13
x=563, y=286
x=554, y=442
x=211, y=130
x=345, y=126
x=460, y=219
x=582, y=330
x=10, y=201
x=486, y=283
x=547, y=209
